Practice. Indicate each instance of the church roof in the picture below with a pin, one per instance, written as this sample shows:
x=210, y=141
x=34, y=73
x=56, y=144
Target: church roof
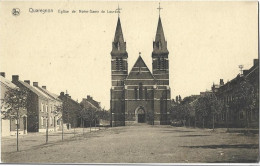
x=140, y=71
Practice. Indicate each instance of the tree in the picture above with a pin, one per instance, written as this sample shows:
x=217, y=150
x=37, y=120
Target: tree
x=216, y=107
x=246, y=97
x=15, y=104
x=58, y=109
x=202, y=109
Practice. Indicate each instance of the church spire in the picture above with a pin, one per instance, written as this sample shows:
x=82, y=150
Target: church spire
x=119, y=33
x=118, y=43
x=160, y=44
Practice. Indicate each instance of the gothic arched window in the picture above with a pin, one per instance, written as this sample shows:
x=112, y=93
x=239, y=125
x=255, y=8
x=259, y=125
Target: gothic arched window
x=140, y=91
x=117, y=64
x=146, y=93
x=158, y=63
x=118, y=46
x=120, y=64
x=136, y=95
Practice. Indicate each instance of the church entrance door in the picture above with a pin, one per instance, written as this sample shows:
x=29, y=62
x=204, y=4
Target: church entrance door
x=140, y=115
x=141, y=118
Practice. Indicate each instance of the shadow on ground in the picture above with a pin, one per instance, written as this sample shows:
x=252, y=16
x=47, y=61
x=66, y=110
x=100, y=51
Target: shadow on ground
x=223, y=146
x=193, y=135
x=237, y=161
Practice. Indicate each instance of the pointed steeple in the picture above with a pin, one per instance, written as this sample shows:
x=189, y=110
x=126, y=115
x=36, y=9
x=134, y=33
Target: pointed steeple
x=160, y=44
x=118, y=43
x=119, y=33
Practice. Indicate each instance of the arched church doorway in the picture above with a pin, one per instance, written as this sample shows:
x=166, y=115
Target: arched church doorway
x=140, y=115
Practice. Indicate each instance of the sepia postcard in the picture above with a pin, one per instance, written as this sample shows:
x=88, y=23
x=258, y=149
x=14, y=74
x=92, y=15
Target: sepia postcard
x=129, y=82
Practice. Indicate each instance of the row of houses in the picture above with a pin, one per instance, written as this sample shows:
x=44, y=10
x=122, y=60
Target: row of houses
x=236, y=103
x=44, y=109
x=240, y=97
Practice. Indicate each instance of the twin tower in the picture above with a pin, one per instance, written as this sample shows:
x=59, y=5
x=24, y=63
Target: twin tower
x=140, y=96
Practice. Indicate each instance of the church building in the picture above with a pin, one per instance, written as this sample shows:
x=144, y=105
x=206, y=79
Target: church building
x=140, y=96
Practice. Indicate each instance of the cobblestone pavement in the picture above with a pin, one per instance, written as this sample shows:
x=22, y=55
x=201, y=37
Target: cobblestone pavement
x=134, y=144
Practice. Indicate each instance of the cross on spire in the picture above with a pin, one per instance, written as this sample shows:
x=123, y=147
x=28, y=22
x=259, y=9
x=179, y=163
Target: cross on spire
x=139, y=53
x=159, y=8
x=118, y=10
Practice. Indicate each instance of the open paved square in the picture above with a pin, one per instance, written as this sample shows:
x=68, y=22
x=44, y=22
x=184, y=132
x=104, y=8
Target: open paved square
x=136, y=144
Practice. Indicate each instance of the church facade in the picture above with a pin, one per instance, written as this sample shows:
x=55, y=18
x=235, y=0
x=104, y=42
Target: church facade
x=140, y=96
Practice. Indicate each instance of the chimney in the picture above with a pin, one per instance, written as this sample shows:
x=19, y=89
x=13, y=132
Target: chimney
x=61, y=93
x=15, y=78
x=2, y=74
x=256, y=61
x=27, y=81
x=44, y=87
x=88, y=97
x=245, y=72
x=67, y=95
x=221, y=82
x=35, y=84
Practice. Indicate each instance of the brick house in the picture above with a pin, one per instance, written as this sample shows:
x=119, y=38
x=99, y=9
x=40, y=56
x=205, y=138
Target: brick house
x=140, y=96
x=236, y=114
x=71, y=109
x=90, y=105
x=9, y=125
x=55, y=104
x=38, y=109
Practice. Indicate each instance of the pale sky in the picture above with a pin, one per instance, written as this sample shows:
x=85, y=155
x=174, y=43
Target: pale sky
x=206, y=41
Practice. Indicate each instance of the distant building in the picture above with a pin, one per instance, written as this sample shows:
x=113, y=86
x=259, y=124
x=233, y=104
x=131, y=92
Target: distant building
x=9, y=125
x=92, y=101
x=88, y=104
x=71, y=110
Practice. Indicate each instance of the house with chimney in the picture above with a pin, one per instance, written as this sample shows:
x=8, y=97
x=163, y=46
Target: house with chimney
x=70, y=110
x=91, y=106
x=55, y=109
x=38, y=109
x=8, y=123
x=236, y=114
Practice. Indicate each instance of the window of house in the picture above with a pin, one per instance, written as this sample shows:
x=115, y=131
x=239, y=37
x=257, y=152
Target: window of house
x=42, y=121
x=222, y=116
x=50, y=120
x=241, y=115
x=42, y=109
x=46, y=108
